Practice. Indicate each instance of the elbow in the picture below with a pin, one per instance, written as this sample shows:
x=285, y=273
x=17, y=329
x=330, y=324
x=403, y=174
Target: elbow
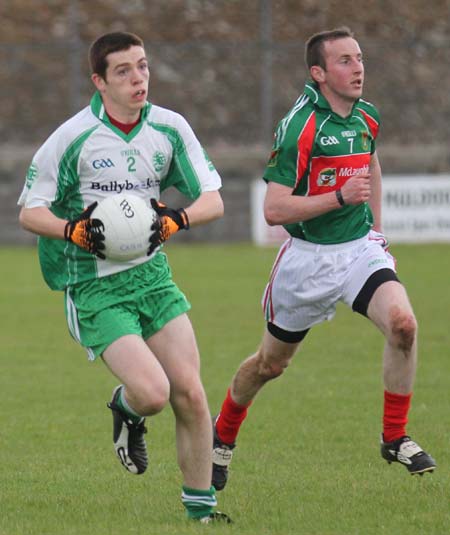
x=220, y=209
x=27, y=219
x=23, y=219
x=217, y=209
x=272, y=216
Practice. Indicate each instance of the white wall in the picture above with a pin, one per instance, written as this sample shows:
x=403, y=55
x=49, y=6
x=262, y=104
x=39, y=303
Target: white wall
x=416, y=209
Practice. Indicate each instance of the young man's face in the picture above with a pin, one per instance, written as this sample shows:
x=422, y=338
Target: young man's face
x=125, y=87
x=344, y=74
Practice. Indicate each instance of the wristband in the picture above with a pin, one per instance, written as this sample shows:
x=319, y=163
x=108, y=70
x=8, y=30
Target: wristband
x=339, y=197
x=184, y=218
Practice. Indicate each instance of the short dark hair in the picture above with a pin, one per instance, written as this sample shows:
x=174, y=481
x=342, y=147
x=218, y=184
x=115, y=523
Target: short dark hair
x=107, y=44
x=314, y=45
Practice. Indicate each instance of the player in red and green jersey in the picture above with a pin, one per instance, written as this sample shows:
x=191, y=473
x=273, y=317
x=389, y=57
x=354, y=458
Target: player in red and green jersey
x=315, y=152
x=130, y=313
x=324, y=187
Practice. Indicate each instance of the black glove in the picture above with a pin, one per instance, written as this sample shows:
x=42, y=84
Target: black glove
x=169, y=221
x=86, y=232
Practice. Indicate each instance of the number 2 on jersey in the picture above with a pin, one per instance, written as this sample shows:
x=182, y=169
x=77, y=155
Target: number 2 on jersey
x=131, y=164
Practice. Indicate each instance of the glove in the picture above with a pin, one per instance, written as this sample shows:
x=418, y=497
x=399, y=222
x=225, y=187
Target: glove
x=169, y=221
x=86, y=232
x=380, y=238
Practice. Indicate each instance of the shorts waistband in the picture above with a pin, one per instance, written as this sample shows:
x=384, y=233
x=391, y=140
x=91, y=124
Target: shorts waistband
x=327, y=248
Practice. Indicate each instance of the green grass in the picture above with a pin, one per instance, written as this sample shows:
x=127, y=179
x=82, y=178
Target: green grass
x=308, y=459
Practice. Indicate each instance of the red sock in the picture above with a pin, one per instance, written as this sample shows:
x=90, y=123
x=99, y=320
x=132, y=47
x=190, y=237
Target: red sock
x=395, y=417
x=230, y=419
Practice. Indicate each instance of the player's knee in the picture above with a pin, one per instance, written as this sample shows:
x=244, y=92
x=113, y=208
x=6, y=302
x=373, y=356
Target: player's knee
x=403, y=329
x=153, y=399
x=190, y=400
x=268, y=370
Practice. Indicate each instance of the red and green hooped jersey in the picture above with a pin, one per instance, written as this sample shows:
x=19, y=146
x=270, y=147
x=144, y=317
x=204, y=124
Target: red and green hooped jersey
x=317, y=151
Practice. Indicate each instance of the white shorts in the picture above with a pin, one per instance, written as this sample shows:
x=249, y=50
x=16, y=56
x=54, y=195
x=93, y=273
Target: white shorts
x=308, y=280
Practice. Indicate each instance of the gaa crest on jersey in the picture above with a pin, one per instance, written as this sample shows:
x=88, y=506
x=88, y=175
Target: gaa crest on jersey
x=365, y=140
x=31, y=175
x=159, y=161
x=327, y=177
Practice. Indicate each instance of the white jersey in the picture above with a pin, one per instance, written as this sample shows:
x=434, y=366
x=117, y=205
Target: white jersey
x=87, y=159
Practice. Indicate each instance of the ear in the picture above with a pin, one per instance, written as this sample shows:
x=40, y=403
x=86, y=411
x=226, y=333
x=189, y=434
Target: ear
x=317, y=74
x=98, y=81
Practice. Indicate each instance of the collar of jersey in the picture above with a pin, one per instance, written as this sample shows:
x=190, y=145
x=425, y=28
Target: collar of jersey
x=98, y=109
x=319, y=101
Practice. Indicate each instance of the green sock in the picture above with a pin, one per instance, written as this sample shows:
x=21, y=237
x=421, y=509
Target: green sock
x=198, y=503
x=126, y=409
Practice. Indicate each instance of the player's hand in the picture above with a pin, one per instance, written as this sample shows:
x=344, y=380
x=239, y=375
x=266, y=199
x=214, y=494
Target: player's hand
x=380, y=238
x=169, y=221
x=86, y=232
x=357, y=189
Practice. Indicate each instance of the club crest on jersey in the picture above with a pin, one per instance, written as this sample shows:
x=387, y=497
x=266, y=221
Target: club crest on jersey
x=365, y=140
x=159, y=161
x=208, y=161
x=327, y=177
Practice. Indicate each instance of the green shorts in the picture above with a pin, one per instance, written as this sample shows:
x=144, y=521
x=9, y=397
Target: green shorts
x=138, y=301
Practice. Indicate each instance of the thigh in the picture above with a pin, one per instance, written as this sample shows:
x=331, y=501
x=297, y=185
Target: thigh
x=135, y=365
x=176, y=349
x=276, y=352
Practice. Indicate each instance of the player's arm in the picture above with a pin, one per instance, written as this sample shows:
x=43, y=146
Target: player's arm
x=375, y=198
x=40, y=220
x=83, y=231
x=282, y=208
x=375, y=202
x=208, y=207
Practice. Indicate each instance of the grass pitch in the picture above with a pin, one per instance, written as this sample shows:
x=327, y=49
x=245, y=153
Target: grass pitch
x=308, y=458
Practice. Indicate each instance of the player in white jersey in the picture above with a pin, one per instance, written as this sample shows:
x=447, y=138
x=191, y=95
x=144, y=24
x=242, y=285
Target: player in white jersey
x=130, y=313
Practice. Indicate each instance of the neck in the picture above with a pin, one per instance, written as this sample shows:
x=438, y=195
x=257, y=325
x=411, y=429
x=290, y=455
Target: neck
x=125, y=127
x=119, y=113
x=124, y=118
x=340, y=106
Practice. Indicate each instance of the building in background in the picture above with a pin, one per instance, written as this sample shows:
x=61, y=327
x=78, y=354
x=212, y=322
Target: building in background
x=233, y=68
